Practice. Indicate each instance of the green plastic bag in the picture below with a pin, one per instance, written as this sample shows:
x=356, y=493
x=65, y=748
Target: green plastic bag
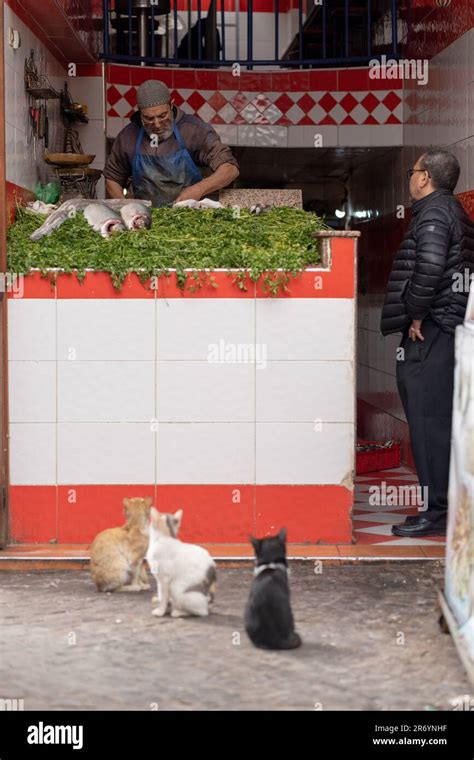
x=48, y=193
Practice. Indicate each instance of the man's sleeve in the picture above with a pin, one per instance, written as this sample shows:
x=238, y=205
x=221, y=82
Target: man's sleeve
x=118, y=167
x=211, y=151
x=433, y=235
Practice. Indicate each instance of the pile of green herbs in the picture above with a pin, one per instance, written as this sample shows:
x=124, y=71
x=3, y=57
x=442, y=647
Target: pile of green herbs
x=179, y=239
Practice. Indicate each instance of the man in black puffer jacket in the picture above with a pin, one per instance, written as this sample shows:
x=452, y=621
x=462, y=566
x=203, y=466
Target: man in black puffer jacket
x=426, y=299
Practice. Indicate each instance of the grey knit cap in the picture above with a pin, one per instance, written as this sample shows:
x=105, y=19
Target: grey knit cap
x=152, y=93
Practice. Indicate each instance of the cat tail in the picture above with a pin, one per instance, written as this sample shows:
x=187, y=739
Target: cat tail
x=212, y=580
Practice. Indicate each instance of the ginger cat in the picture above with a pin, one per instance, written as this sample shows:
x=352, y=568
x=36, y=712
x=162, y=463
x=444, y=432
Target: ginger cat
x=117, y=554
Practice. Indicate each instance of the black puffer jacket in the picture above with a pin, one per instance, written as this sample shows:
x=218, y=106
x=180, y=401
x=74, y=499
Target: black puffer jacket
x=438, y=243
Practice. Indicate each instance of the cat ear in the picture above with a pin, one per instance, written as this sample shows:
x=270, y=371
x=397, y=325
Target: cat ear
x=126, y=502
x=178, y=516
x=282, y=535
x=148, y=500
x=255, y=542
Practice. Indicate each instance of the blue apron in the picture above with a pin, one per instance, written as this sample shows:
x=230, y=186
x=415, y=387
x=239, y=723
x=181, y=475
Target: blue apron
x=160, y=179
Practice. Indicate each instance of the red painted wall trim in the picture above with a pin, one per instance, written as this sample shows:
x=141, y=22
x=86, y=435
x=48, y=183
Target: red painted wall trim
x=259, y=6
x=311, y=514
x=338, y=282
x=342, y=80
x=16, y=196
x=89, y=69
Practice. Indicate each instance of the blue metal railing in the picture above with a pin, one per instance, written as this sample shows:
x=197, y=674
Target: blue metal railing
x=334, y=33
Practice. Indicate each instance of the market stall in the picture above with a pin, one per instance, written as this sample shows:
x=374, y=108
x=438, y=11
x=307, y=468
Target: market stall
x=232, y=397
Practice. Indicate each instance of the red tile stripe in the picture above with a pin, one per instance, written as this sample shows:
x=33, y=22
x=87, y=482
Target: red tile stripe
x=339, y=282
x=318, y=80
x=76, y=513
x=16, y=196
x=259, y=6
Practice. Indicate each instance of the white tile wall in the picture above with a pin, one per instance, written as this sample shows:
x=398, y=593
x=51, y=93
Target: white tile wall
x=321, y=328
x=187, y=328
x=319, y=391
x=298, y=453
x=32, y=391
x=32, y=454
x=276, y=137
x=227, y=133
x=106, y=391
x=10, y=152
x=384, y=134
x=139, y=399
x=102, y=329
x=205, y=392
x=115, y=125
x=90, y=90
x=24, y=342
x=106, y=453
x=24, y=164
x=205, y=453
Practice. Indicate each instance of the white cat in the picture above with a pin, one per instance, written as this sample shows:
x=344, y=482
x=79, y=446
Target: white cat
x=185, y=574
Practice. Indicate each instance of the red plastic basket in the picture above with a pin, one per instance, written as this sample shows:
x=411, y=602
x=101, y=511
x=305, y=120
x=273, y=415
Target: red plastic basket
x=386, y=457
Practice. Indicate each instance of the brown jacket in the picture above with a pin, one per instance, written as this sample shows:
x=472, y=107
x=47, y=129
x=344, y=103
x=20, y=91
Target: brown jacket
x=201, y=140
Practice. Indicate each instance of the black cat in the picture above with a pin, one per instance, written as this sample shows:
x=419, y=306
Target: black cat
x=268, y=617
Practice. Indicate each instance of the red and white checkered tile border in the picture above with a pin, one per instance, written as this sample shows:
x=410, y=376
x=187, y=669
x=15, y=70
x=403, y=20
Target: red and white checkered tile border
x=273, y=108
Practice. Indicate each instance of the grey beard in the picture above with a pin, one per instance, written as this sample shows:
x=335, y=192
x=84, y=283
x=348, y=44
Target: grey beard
x=151, y=132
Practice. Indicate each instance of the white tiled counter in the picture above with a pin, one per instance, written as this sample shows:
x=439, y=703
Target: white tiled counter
x=236, y=406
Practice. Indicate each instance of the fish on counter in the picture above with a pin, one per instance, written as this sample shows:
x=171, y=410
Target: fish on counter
x=259, y=209
x=103, y=219
x=202, y=204
x=66, y=210
x=69, y=209
x=135, y=215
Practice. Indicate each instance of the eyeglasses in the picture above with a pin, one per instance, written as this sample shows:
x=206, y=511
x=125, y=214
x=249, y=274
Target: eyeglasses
x=152, y=119
x=410, y=172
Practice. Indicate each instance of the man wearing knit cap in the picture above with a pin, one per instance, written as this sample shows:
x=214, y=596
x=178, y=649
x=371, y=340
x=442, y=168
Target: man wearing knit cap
x=161, y=151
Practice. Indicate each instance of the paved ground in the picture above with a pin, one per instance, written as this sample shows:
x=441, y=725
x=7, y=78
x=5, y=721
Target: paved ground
x=64, y=646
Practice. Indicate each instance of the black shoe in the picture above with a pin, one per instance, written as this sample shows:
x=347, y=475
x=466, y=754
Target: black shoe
x=413, y=519
x=422, y=527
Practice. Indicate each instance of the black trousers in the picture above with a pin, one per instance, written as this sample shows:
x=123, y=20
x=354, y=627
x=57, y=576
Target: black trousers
x=425, y=379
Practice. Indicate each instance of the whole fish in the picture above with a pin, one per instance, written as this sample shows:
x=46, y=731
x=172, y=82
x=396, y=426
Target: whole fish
x=103, y=219
x=68, y=210
x=135, y=215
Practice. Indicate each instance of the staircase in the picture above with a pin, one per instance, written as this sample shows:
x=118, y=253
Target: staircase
x=339, y=31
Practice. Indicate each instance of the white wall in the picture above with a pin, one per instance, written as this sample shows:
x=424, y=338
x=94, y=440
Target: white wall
x=23, y=167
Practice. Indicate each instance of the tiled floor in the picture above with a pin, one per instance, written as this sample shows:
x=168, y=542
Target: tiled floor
x=372, y=524
x=372, y=536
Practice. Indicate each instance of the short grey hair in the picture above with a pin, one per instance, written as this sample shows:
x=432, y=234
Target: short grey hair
x=443, y=168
